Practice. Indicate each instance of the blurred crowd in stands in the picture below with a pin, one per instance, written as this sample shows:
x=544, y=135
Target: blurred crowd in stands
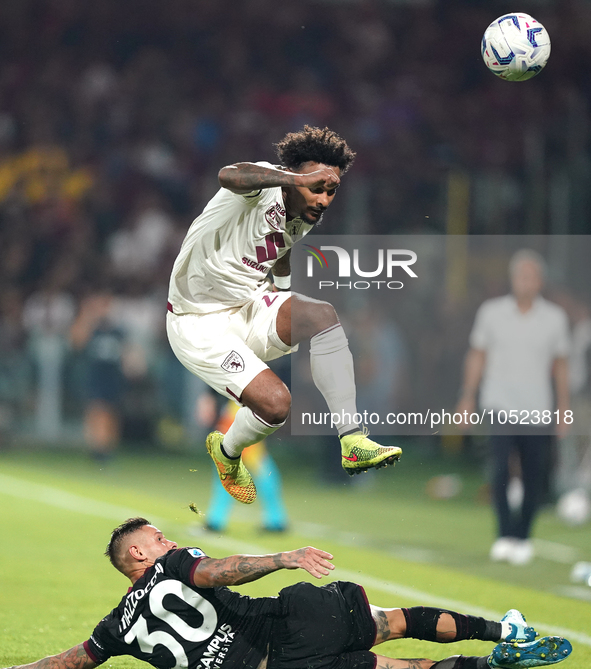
x=115, y=118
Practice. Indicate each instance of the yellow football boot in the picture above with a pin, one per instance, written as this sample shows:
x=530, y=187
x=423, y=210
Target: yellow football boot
x=234, y=476
x=360, y=453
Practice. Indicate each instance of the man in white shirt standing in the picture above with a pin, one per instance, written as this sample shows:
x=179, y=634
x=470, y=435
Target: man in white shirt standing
x=519, y=348
x=226, y=319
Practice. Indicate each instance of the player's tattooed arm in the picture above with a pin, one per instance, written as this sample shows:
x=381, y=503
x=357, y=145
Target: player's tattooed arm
x=245, y=178
x=248, y=177
x=75, y=658
x=235, y=570
x=238, y=569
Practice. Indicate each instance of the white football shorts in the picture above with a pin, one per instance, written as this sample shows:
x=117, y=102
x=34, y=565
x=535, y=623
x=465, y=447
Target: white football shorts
x=227, y=349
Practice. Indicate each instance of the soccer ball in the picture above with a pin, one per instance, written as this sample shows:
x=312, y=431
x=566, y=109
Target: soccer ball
x=515, y=47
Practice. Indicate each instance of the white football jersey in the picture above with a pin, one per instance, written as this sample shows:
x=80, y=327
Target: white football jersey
x=230, y=248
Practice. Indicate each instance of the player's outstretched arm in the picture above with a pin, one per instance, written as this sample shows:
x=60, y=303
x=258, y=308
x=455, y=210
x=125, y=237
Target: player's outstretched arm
x=248, y=177
x=75, y=658
x=238, y=569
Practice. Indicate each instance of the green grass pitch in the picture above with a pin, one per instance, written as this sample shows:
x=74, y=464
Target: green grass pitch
x=57, y=510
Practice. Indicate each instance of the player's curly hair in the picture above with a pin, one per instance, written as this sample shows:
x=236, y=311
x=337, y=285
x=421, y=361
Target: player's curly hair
x=319, y=145
x=113, y=551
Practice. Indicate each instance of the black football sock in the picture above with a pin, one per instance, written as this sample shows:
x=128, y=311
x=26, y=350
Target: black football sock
x=421, y=623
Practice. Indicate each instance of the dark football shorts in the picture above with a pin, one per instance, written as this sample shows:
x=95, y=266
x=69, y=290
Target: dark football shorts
x=328, y=627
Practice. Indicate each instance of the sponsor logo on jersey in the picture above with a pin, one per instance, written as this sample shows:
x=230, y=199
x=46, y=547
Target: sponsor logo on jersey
x=217, y=648
x=195, y=552
x=255, y=264
x=233, y=363
x=274, y=215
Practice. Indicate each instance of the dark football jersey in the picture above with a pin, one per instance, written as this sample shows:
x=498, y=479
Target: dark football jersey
x=170, y=623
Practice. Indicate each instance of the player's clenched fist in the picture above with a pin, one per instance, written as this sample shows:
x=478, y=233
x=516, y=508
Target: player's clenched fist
x=312, y=560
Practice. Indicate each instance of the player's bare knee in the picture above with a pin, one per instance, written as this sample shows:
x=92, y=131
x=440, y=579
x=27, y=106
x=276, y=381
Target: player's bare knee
x=322, y=316
x=275, y=407
x=309, y=317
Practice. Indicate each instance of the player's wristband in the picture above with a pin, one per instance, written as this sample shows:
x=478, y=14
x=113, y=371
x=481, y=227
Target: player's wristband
x=282, y=282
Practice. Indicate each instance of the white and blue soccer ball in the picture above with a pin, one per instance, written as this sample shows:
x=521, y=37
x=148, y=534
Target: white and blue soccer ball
x=516, y=47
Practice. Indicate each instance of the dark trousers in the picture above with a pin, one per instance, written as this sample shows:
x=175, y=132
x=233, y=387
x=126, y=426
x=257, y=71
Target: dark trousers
x=533, y=451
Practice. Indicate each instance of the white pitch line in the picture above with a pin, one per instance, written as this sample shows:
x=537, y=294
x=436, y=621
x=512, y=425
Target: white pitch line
x=551, y=550
x=44, y=494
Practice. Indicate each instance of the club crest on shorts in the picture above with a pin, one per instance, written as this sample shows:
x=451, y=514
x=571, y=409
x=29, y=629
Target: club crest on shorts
x=233, y=363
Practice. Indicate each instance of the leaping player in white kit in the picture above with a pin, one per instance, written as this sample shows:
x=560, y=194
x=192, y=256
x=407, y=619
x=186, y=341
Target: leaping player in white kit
x=226, y=319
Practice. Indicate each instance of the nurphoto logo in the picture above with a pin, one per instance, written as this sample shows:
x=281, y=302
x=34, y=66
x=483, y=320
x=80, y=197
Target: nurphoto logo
x=387, y=261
